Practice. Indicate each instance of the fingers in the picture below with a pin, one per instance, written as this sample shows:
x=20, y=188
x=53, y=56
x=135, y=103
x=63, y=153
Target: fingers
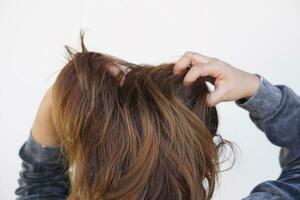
x=122, y=81
x=221, y=74
x=118, y=73
x=217, y=95
x=202, y=70
x=189, y=58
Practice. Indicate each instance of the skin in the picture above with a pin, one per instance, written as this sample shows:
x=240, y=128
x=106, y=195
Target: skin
x=230, y=84
x=43, y=130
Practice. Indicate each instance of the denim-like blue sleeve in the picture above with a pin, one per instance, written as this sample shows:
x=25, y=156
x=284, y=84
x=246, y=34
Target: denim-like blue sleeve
x=276, y=111
x=44, y=173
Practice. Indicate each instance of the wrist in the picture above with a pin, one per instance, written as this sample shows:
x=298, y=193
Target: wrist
x=43, y=130
x=252, y=83
x=265, y=102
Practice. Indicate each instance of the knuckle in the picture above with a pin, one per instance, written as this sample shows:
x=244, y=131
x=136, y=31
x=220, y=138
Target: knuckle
x=215, y=60
x=218, y=62
x=189, y=53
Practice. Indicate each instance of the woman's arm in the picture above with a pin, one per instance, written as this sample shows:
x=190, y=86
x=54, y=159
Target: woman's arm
x=43, y=130
x=44, y=173
x=274, y=109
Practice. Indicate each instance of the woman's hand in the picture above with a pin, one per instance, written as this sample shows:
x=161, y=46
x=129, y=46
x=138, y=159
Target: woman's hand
x=230, y=83
x=43, y=130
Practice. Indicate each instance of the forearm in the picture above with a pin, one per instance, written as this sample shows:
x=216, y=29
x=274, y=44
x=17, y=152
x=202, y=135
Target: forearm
x=43, y=130
x=276, y=111
x=44, y=172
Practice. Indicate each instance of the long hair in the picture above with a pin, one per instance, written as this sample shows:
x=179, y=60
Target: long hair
x=134, y=132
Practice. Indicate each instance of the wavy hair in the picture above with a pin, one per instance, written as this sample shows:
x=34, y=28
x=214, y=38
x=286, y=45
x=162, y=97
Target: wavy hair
x=134, y=132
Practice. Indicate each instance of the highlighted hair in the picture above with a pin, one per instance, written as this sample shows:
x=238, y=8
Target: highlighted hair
x=134, y=131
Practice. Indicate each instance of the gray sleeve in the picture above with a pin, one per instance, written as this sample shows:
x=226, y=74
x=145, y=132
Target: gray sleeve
x=44, y=173
x=276, y=111
x=264, y=103
x=41, y=153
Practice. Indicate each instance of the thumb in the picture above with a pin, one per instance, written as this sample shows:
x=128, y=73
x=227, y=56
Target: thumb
x=216, y=96
x=201, y=70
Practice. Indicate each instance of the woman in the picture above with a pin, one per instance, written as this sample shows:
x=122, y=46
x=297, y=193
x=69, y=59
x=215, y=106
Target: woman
x=135, y=132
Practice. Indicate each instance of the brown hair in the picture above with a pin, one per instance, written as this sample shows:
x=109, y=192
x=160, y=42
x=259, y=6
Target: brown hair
x=151, y=138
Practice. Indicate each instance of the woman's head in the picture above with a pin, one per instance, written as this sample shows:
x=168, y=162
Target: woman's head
x=134, y=131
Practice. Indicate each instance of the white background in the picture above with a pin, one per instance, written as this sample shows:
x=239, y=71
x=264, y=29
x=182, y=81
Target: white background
x=258, y=36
